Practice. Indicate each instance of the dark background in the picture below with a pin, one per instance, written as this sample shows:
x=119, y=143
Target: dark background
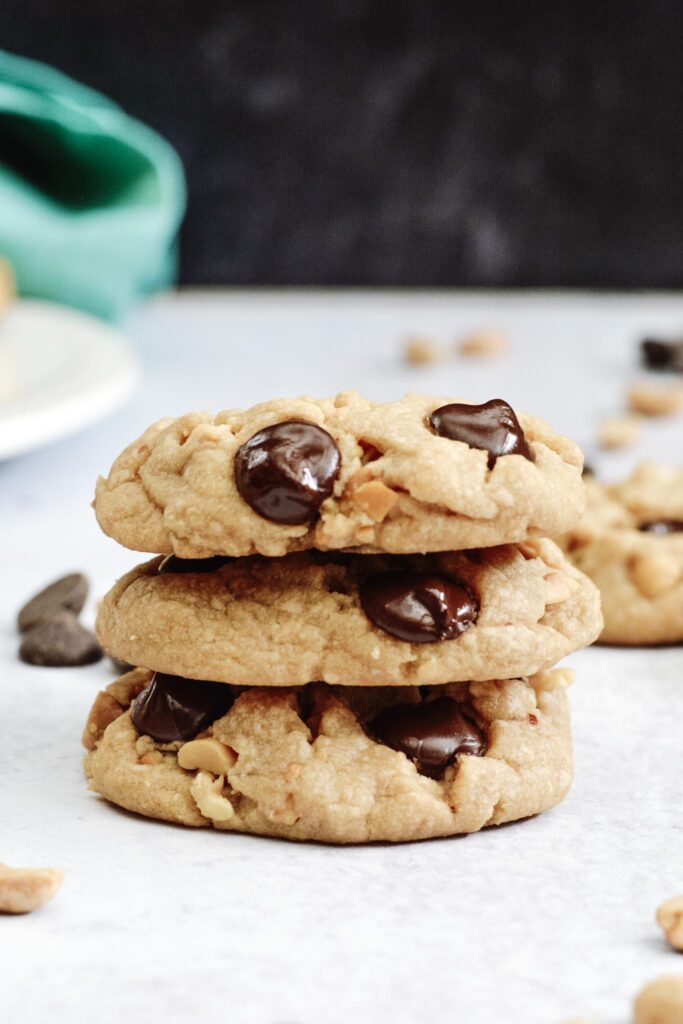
x=397, y=141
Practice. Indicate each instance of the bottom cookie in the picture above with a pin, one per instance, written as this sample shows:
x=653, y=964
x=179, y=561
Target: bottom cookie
x=331, y=763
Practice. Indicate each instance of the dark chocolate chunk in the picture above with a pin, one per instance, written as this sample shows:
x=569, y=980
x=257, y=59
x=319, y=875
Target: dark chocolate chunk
x=172, y=565
x=59, y=641
x=493, y=427
x=418, y=607
x=286, y=471
x=587, y=470
x=662, y=355
x=173, y=708
x=432, y=733
x=662, y=526
x=65, y=594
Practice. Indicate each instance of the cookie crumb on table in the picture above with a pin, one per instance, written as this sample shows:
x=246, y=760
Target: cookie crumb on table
x=25, y=889
x=660, y=1002
x=619, y=431
x=652, y=399
x=488, y=343
x=419, y=350
x=670, y=920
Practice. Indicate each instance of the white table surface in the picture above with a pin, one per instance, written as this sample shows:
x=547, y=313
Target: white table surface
x=534, y=922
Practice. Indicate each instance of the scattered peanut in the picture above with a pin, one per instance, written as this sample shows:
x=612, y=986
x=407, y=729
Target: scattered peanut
x=670, y=920
x=7, y=284
x=488, y=343
x=619, y=431
x=655, y=399
x=660, y=1002
x=207, y=793
x=208, y=755
x=25, y=889
x=654, y=573
x=421, y=351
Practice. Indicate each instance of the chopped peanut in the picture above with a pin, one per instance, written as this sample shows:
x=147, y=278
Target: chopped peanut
x=620, y=431
x=376, y=499
x=655, y=399
x=208, y=755
x=660, y=1002
x=488, y=343
x=421, y=351
x=670, y=920
x=208, y=796
x=25, y=889
x=653, y=573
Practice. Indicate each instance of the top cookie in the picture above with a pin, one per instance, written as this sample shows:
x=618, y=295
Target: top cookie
x=423, y=474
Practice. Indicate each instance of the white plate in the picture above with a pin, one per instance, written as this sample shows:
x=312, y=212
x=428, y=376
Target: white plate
x=59, y=370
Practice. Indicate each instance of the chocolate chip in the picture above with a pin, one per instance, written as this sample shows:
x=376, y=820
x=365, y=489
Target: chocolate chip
x=432, y=733
x=67, y=593
x=493, y=427
x=662, y=355
x=418, y=607
x=661, y=527
x=172, y=708
x=59, y=642
x=286, y=471
x=172, y=565
x=587, y=470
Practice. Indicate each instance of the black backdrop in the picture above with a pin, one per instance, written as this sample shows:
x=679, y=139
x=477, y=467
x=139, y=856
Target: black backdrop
x=400, y=141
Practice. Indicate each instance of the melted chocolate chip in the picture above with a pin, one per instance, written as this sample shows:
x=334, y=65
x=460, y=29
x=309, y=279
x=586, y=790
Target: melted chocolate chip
x=662, y=526
x=492, y=427
x=432, y=733
x=173, y=565
x=418, y=607
x=286, y=471
x=172, y=708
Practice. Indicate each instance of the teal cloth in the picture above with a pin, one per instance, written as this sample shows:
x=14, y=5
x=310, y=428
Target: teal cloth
x=90, y=199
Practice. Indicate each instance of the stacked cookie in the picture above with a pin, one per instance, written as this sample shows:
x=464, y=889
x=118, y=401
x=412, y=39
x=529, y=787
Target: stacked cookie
x=349, y=633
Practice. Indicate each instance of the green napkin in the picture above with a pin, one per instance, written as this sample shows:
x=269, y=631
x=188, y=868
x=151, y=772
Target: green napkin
x=90, y=200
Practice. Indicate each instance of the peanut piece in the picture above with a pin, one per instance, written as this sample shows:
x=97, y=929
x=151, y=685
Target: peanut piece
x=207, y=794
x=619, y=431
x=559, y=587
x=660, y=1002
x=670, y=920
x=25, y=889
x=653, y=573
x=376, y=499
x=655, y=399
x=151, y=757
x=487, y=343
x=420, y=351
x=208, y=755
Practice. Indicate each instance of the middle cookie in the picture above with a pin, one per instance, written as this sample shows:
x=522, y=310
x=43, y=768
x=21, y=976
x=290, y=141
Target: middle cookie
x=357, y=620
